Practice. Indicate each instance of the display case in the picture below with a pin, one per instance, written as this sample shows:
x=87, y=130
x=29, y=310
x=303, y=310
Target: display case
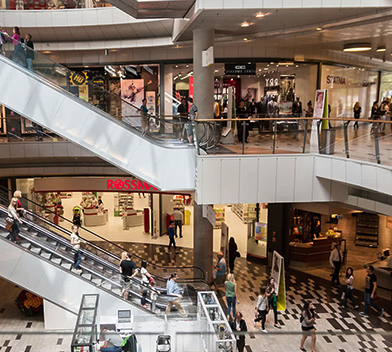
x=85, y=334
x=246, y=212
x=367, y=230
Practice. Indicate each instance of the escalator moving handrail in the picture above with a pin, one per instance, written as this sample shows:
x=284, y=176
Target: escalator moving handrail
x=100, y=237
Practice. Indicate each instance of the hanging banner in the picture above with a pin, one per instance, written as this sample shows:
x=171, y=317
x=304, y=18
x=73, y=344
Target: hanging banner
x=277, y=273
x=319, y=103
x=261, y=231
x=132, y=92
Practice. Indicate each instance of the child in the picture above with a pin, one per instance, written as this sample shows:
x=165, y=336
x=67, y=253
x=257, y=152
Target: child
x=261, y=309
x=154, y=296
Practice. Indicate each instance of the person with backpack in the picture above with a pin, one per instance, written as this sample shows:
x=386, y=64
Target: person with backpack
x=128, y=270
x=307, y=320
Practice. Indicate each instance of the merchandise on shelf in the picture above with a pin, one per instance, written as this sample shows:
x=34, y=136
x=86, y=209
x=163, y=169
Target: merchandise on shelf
x=246, y=212
x=220, y=217
x=122, y=202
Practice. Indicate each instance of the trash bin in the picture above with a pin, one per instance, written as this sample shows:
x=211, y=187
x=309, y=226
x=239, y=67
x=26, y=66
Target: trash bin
x=328, y=141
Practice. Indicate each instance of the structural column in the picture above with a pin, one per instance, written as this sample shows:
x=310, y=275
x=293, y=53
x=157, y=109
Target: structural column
x=203, y=77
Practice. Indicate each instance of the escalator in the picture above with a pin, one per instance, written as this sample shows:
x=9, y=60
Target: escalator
x=152, y=153
x=41, y=262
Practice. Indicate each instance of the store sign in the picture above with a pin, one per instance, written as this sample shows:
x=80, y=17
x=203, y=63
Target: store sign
x=271, y=82
x=78, y=78
x=99, y=81
x=240, y=69
x=336, y=79
x=129, y=185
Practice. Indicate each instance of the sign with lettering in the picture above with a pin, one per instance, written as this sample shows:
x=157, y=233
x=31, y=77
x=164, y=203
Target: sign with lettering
x=240, y=69
x=128, y=185
x=336, y=79
x=78, y=78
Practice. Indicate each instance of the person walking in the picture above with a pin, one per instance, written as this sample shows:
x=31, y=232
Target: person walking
x=146, y=279
x=193, y=115
x=19, y=208
x=375, y=115
x=182, y=111
x=233, y=250
x=220, y=269
x=178, y=220
x=357, y=114
x=241, y=114
x=370, y=293
x=29, y=51
x=14, y=217
x=18, y=55
x=307, y=325
x=174, y=295
x=348, y=293
x=297, y=108
x=231, y=295
x=273, y=300
x=75, y=242
x=335, y=259
x=144, y=116
x=309, y=109
x=238, y=326
x=261, y=309
x=128, y=270
x=171, y=234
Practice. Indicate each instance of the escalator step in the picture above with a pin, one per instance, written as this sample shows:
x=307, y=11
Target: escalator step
x=26, y=245
x=87, y=276
x=4, y=234
x=56, y=260
x=46, y=255
x=36, y=250
x=62, y=248
x=107, y=286
x=66, y=265
x=117, y=291
x=97, y=281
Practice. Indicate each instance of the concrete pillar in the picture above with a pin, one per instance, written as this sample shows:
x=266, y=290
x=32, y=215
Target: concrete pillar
x=203, y=77
x=202, y=243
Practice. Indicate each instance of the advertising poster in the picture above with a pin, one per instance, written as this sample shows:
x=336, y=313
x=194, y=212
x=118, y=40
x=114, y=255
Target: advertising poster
x=285, y=107
x=132, y=92
x=319, y=103
x=277, y=272
x=150, y=96
x=261, y=232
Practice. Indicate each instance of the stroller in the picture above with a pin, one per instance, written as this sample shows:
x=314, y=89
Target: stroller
x=163, y=343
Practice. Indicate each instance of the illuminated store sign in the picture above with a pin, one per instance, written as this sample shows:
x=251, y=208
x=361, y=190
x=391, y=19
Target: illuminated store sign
x=336, y=79
x=133, y=185
x=240, y=69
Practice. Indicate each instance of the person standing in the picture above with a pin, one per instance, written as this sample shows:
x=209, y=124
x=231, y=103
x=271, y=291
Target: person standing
x=3, y=40
x=348, y=294
x=273, y=300
x=144, y=116
x=241, y=114
x=261, y=309
x=357, y=114
x=29, y=51
x=309, y=110
x=375, y=115
x=182, y=110
x=220, y=269
x=174, y=295
x=232, y=253
x=128, y=270
x=370, y=293
x=77, y=220
x=297, y=108
x=231, y=295
x=75, y=242
x=13, y=215
x=146, y=278
x=193, y=115
x=18, y=55
x=171, y=234
x=238, y=326
x=178, y=220
x=335, y=259
x=307, y=325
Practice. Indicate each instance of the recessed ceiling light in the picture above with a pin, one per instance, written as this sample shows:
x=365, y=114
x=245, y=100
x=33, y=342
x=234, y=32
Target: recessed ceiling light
x=246, y=39
x=380, y=49
x=187, y=65
x=176, y=66
x=259, y=69
x=260, y=15
x=216, y=70
x=319, y=28
x=355, y=47
x=245, y=24
x=179, y=74
x=296, y=65
x=265, y=69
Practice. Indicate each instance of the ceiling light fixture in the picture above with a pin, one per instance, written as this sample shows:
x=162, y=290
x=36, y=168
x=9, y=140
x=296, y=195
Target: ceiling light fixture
x=246, y=39
x=260, y=15
x=380, y=49
x=356, y=47
x=319, y=29
x=245, y=24
x=286, y=63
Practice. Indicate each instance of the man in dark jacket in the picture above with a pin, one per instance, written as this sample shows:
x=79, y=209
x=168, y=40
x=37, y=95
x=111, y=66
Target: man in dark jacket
x=29, y=51
x=238, y=326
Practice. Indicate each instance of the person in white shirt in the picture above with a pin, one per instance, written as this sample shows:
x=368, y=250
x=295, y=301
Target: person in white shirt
x=178, y=220
x=14, y=217
x=75, y=241
x=261, y=309
x=335, y=259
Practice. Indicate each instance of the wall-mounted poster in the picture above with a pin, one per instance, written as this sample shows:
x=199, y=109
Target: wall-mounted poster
x=261, y=231
x=150, y=96
x=132, y=92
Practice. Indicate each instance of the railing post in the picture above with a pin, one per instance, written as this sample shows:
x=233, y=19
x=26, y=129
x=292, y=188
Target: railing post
x=196, y=139
x=377, y=145
x=274, y=142
x=243, y=136
x=345, y=133
x=318, y=135
x=305, y=134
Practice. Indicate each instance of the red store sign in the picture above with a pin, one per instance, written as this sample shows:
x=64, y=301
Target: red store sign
x=129, y=185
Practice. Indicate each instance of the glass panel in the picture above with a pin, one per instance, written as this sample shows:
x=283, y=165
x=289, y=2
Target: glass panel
x=87, y=316
x=89, y=301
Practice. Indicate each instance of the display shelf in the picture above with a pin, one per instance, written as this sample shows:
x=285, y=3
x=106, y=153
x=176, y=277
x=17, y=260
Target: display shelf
x=220, y=217
x=367, y=230
x=246, y=212
x=122, y=201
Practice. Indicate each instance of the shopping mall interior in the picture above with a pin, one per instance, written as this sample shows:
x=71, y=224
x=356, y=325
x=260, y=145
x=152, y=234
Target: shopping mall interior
x=149, y=149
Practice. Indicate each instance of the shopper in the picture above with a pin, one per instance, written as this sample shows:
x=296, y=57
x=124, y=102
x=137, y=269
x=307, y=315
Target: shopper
x=171, y=234
x=19, y=209
x=154, y=295
x=297, y=108
x=182, y=111
x=375, y=115
x=384, y=110
x=357, y=114
x=309, y=109
x=335, y=259
x=242, y=126
x=75, y=242
x=261, y=309
x=18, y=55
x=178, y=220
x=146, y=278
x=193, y=115
x=238, y=326
x=233, y=253
x=273, y=300
x=77, y=220
x=231, y=295
x=348, y=292
x=14, y=218
x=3, y=40
x=128, y=270
x=29, y=51
x=144, y=116
x=307, y=324
x=371, y=293
x=220, y=269
x=174, y=295
x=316, y=230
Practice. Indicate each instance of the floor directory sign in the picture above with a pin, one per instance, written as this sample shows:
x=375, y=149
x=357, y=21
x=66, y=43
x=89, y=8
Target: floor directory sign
x=277, y=273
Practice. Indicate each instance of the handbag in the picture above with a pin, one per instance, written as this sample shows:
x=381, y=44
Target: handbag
x=8, y=224
x=238, y=254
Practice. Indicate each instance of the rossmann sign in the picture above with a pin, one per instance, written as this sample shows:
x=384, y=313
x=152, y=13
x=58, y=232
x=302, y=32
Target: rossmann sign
x=129, y=185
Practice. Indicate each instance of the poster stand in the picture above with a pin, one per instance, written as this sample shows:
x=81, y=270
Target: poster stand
x=320, y=111
x=277, y=272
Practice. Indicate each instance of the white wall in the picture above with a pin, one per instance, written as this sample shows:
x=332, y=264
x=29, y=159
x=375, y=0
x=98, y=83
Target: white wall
x=57, y=318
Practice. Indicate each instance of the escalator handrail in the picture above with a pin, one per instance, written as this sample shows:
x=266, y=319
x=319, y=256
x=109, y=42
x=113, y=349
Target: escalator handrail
x=100, y=237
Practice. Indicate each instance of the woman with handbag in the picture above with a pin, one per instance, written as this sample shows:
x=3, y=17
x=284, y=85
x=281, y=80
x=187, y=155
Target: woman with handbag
x=273, y=300
x=348, y=294
x=13, y=218
x=233, y=253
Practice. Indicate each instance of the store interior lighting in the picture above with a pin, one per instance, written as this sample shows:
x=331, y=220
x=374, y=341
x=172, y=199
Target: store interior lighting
x=381, y=49
x=357, y=47
x=245, y=24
